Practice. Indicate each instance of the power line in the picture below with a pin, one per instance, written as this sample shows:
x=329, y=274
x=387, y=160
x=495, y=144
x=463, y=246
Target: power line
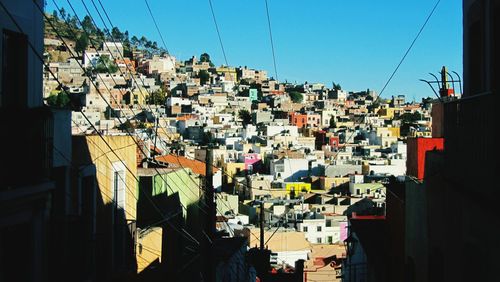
x=201, y=209
x=97, y=131
x=154, y=21
x=397, y=67
x=109, y=34
x=271, y=38
x=115, y=102
x=218, y=32
x=409, y=48
x=195, y=182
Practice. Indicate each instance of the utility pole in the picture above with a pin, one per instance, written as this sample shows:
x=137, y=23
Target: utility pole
x=209, y=228
x=262, y=225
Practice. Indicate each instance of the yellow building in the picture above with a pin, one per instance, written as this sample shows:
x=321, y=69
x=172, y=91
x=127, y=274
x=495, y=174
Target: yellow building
x=228, y=72
x=326, y=183
x=138, y=97
x=114, y=200
x=388, y=132
x=395, y=131
x=389, y=113
x=149, y=248
x=297, y=187
x=231, y=169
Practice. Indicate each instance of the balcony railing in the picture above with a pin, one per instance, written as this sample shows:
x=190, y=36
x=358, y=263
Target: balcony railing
x=469, y=129
x=27, y=139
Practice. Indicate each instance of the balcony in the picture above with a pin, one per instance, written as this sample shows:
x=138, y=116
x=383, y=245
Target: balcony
x=469, y=129
x=27, y=139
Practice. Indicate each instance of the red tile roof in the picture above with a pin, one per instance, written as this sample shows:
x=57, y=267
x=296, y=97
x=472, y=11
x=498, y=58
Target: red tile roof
x=175, y=161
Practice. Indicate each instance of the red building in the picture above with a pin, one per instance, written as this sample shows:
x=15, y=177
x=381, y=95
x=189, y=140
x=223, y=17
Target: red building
x=417, y=147
x=297, y=119
x=302, y=120
x=334, y=141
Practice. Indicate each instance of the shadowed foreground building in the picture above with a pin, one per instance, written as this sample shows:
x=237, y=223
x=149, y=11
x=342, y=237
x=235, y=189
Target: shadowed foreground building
x=454, y=236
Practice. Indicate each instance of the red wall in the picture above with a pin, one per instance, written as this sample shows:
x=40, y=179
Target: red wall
x=299, y=120
x=334, y=141
x=417, y=147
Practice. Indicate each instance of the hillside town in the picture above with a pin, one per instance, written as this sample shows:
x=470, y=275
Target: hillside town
x=161, y=165
x=309, y=155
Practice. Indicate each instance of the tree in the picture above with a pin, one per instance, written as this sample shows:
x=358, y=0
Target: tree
x=54, y=15
x=204, y=77
x=73, y=22
x=245, y=116
x=116, y=34
x=82, y=43
x=205, y=58
x=157, y=97
x=333, y=124
x=62, y=13
x=59, y=100
x=336, y=86
x=410, y=117
x=134, y=41
x=100, y=36
x=104, y=64
x=143, y=41
x=296, y=97
x=88, y=26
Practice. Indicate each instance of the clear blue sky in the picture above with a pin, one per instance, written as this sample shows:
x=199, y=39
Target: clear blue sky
x=356, y=43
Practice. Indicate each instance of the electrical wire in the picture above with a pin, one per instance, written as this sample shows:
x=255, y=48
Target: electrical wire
x=97, y=131
x=218, y=32
x=397, y=66
x=111, y=97
x=154, y=21
x=271, y=39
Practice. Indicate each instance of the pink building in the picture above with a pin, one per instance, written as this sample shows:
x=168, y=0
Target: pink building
x=253, y=162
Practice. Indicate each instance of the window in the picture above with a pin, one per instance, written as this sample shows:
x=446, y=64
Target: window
x=318, y=228
x=328, y=223
x=367, y=191
x=14, y=90
x=118, y=186
x=304, y=229
x=318, y=240
x=119, y=189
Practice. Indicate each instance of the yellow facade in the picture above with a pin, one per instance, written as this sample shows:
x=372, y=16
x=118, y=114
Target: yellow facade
x=138, y=97
x=108, y=165
x=395, y=131
x=149, y=248
x=275, y=193
x=426, y=134
x=297, y=187
x=231, y=169
x=327, y=183
x=229, y=72
x=388, y=131
x=388, y=113
x=168, y=134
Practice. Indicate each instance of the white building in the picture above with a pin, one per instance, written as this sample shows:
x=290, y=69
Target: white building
x=159, y=64
x=289, y=169
x=319, y=229
x=92, y=58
